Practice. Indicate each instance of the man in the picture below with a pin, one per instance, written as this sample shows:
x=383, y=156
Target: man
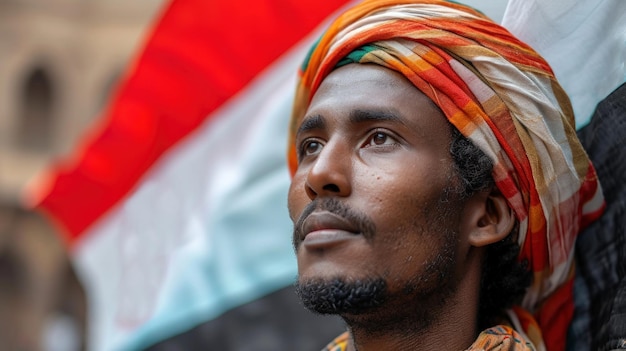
x=438, y=185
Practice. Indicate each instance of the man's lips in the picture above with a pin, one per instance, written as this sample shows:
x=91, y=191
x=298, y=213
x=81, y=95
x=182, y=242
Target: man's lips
x=325, y=228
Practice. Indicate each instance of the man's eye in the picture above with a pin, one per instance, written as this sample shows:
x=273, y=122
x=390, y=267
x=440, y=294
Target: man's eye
x=310, y=147
x=380, y=138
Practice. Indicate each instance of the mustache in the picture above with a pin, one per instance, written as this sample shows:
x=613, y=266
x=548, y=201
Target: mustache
x=364, y=224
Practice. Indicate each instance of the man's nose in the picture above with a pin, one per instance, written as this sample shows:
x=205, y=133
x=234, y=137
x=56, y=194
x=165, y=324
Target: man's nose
x=331, y=173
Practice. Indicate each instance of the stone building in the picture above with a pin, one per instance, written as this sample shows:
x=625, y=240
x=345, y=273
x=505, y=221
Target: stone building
x=59, y=62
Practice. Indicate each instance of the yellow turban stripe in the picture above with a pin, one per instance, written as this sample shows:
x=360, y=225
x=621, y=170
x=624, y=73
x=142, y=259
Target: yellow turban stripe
x=501, y=95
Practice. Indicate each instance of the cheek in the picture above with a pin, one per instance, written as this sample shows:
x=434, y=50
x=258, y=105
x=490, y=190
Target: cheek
x=404, y=207
x=388, y=197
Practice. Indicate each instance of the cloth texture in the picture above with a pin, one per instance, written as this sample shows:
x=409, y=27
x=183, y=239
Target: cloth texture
x=498, y=338
x=504, y=97
x=560, y=30
x=340, y=343
x=600, y=290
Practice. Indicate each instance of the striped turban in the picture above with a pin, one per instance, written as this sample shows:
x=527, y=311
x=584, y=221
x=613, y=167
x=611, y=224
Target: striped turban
x=501, y=95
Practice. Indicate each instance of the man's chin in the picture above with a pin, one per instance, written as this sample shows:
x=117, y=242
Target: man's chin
x=340, y=296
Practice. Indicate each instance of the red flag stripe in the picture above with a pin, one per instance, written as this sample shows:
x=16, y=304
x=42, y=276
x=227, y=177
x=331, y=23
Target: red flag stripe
x=199, y=55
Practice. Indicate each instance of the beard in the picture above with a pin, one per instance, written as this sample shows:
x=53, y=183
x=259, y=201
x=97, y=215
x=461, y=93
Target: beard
x=338, y=296
x=369, y=303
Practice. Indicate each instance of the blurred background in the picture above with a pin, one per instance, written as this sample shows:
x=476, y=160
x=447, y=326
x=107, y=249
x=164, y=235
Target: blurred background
x=59, y=62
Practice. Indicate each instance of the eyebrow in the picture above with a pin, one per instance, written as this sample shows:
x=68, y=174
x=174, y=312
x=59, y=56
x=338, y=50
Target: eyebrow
x=363, y=116
x=311, y=123
x=356, y=116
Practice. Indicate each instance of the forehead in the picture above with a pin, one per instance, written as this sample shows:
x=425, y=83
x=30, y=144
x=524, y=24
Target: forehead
x=363, y=83
x=370, y=87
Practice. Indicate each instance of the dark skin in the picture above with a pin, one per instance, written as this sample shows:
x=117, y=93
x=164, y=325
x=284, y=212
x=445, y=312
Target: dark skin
x=373, y=141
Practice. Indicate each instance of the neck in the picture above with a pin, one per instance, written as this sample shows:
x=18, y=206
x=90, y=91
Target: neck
x=449, y=325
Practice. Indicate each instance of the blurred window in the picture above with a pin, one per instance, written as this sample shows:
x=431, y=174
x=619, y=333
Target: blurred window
x=35, y=120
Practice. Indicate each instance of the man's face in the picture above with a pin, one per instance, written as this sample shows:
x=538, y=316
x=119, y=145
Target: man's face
x=374, y=199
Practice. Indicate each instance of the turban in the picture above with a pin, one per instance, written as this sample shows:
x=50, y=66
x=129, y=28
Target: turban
x=503, y=96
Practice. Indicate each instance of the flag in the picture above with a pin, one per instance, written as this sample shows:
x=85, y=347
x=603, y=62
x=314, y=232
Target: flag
x=174, y=205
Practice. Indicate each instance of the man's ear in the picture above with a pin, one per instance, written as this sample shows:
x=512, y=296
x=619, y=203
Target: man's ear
x=490, y=219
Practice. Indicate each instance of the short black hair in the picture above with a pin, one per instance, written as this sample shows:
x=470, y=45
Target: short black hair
x=504, y=278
